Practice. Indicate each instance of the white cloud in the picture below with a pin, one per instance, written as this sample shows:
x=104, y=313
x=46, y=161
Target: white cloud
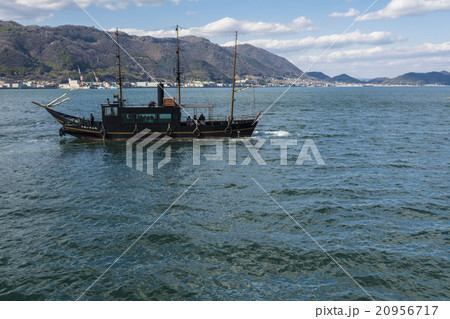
x=356, y=37
x=42, y=9
x=435, y=50
x=31, y=9
x=228, y=25
x=399, y=8
x=426, y=49
x=350, y=13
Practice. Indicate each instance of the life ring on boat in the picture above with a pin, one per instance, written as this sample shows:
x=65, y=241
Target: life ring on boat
x=169, y=131
x=103, y=132
x=228, y=130
x=196, y=132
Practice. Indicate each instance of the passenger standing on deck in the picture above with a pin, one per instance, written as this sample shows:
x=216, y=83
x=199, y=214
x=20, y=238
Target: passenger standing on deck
x=188, y=120
x=91, y=119
x=202, y=119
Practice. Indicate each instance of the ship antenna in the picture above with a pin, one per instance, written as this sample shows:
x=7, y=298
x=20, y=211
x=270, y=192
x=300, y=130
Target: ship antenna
x=118, y=64
x=178, y=70
x=234, y=78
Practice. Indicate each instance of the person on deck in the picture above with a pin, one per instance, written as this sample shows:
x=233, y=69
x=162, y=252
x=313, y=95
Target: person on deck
x=91, y=119
x=188, y=121
x=202, y=119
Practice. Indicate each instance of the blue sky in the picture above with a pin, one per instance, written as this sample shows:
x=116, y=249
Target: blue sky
x=388, y=37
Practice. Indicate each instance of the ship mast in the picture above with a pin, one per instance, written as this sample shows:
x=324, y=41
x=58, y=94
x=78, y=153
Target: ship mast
x=178, y=69
x=118, y=63
x=234, y=78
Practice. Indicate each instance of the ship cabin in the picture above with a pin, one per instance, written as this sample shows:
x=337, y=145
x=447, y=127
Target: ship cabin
x=160, y=117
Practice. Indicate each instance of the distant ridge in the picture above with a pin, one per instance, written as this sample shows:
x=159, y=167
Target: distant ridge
x=260, y=59
x=430, y=78
x=379, y=81
x=10, y=23
x=442, y=78
x=319, y=76
x=344, y=78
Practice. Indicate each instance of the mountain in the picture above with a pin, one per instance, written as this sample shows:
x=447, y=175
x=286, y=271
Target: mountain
x=258, y=62
x=382, y=80
x=344, y=78
x=430, y=78
x=319, y=76
x=54, y=53
x=442, y=78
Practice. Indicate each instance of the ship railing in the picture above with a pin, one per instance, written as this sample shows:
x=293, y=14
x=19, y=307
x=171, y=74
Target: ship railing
x=223, y=120
x=235, y=118
x=81, y=121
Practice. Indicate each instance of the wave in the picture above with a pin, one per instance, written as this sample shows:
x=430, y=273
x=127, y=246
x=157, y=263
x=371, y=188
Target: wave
x=272, y=133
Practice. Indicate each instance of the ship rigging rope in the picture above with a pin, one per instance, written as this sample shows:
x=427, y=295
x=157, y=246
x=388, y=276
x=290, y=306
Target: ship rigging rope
x=252, y=83
x=126, y=52
x=254, y=99
x=129, y=55
x=189, y=70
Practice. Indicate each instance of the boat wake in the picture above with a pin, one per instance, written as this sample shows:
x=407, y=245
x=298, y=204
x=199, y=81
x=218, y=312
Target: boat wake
x=272, y=133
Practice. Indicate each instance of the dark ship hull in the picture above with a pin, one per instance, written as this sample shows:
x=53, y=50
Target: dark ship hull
x=115, y=129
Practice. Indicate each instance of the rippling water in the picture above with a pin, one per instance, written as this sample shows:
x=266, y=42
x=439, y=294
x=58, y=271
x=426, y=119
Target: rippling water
x=379, y=206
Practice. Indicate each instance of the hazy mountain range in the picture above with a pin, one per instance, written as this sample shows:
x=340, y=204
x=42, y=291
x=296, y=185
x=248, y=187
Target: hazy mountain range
x=54, y=53
x=439, y=78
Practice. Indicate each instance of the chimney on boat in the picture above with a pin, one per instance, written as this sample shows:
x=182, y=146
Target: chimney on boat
x=160, y=94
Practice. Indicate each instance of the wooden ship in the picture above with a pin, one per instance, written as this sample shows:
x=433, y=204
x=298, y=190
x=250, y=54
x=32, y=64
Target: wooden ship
x=167, y=116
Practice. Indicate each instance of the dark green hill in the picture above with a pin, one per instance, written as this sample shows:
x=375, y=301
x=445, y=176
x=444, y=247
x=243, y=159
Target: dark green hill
x=53, y=53
x=430, y=78
x=381, y=80
x=344, y=78
x=442, y=78
x=319, y=76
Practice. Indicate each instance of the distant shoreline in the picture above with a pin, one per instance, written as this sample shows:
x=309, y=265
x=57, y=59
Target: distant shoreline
x=256, y=87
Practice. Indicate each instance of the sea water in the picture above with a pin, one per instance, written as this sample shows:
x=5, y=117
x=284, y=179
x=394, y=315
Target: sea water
x=70, y=209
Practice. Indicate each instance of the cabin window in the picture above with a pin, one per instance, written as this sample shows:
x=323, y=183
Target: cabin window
x=111, y=111
x=165, y=118
x=145, y=118
x=128, y=118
